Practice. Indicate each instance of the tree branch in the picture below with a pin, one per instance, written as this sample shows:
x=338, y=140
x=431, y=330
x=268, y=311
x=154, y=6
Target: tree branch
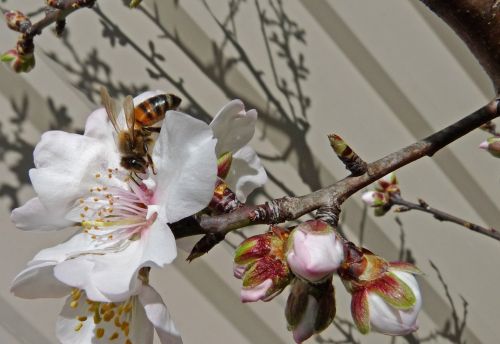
x=291, y=208
x=442, y=216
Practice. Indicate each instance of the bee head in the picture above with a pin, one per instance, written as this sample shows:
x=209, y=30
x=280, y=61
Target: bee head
x=134, y=163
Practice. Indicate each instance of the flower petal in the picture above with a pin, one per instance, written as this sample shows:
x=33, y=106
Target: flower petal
x=66, y=164
x=158, y=315
x=388, y=320
x=394, y=291
x=184, y=156
x=405, y=267
x=38, y=281
x=111, y=276
x=233, y=127
x=246, y=173
x=360, y=311
x=33, y=215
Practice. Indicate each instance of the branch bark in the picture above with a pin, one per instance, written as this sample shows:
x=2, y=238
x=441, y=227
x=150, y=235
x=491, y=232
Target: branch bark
x=291, y=208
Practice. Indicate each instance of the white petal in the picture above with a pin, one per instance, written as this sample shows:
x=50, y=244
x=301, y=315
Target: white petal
x=388, y=320
x=35, y=216
x=184, y=156
x=65, y=165
x=111, y=276
x=233, y=127
x=38, y=281
x=99, y=127
x=74, y=246
x=246, y=173
x=158, y=315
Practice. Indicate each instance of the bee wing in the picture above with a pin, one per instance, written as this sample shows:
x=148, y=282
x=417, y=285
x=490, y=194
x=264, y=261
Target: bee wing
x=128, y=108
x=109, y=105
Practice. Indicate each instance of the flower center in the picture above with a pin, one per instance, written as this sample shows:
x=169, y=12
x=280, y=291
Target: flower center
x=115, y=209
x=111, y=320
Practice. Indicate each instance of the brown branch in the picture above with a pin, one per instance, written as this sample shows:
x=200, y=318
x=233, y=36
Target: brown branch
x=442, y=216
x=477, y=23
x=291, y=208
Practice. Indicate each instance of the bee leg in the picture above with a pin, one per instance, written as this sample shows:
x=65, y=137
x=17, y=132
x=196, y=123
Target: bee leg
x=131, y=175
x=152, y=129
x=150, y=162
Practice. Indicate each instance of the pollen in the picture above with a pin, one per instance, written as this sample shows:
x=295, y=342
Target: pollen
x=96, y=199
x=86, y=208
x=78, y=326
x=128, y=341
x=82, y=215
x=108, y=315
x=99, y=333
x=98, y=175
x=73, y=304
x=81, y=318
x=114, y=336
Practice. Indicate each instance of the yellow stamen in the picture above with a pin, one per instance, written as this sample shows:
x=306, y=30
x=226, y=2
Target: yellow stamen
x=99, y=333
x=78, y=326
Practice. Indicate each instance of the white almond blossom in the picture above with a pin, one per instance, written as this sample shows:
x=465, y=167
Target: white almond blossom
x=84, y=321
x=122, y=222
x=233, y=128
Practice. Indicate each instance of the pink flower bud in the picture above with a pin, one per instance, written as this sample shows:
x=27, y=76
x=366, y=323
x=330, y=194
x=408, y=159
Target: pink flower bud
x=492, y=145
x=388, y=319
x=264, y=279
x=314, y=251
x=385, y=296
x=375, y=198
x=260, y=262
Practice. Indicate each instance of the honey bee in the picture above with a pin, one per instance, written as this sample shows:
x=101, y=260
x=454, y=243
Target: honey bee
x=136, y=140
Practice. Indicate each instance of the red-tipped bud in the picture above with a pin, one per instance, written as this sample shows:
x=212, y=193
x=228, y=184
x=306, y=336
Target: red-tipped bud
x=224, y=164
x=314, y=251
x=17, y=21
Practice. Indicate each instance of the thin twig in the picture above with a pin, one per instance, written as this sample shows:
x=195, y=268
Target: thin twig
x=442, y=216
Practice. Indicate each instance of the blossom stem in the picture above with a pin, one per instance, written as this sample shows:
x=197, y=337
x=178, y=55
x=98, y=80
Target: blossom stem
x=443, y=216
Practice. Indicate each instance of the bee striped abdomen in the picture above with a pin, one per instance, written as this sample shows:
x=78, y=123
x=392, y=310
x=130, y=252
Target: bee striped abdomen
x=153, y=110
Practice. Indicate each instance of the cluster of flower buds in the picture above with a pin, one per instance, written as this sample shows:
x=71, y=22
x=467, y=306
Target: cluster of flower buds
x=261, y=263
x=310, y=308
x=385, y=295
x=380, y=198
x=20, y=59
x=492, y=145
